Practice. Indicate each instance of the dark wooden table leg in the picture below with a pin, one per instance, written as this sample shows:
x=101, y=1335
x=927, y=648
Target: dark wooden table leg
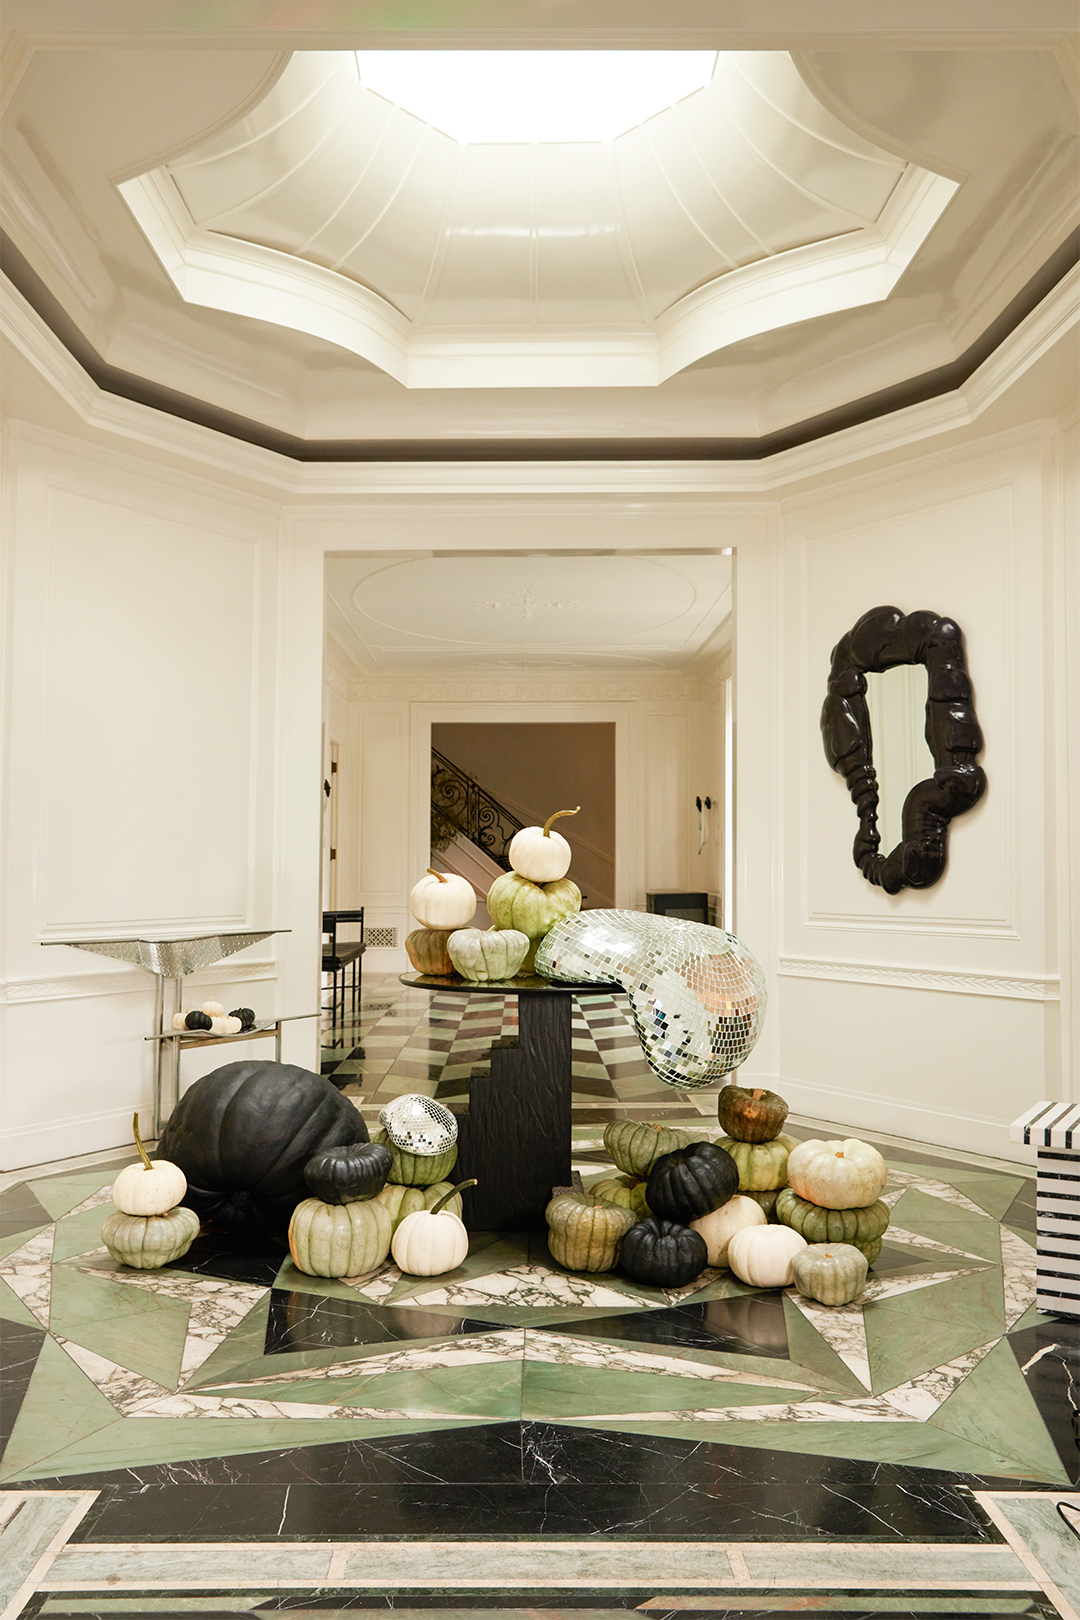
x=514, y=1135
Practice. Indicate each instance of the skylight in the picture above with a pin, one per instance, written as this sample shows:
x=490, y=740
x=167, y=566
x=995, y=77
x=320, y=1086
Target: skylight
x=481, y=96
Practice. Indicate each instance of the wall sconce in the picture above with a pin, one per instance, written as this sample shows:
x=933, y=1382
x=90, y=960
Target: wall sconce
x=703, y=806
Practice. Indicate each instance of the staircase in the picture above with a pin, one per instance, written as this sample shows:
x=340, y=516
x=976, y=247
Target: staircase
x=480, y=829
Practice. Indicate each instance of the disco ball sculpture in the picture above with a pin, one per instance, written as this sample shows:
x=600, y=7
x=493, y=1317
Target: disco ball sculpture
x=697, y=995
x=418, y=1124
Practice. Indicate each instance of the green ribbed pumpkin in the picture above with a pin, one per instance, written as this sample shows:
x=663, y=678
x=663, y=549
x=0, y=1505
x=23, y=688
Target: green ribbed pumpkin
x=584, y=1232
x=339, y=1240
x=831, y=1273
x=862, y=1228
x=762, y=1165
x=636, y=1148
x=417, y=1169
x=624, y=1191
x=402, y=1201
x=531, y=908
x=149, y=1241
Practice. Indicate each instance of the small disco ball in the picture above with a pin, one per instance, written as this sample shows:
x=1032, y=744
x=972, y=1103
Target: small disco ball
x=419, y=1125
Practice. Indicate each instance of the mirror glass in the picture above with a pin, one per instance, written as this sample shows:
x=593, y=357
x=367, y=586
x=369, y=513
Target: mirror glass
x=896, y=699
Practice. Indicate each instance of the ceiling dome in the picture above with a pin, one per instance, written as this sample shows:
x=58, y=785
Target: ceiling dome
x=743, y=207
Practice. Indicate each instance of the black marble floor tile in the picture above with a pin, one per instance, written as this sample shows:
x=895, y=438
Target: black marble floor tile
x=302, y=1321
x=595, y=1605
x=751, y=1326
x=19, y=1346
x=1048, y=1355
x=21, y=1212
x=602, y=1456
x=234, y=1257
x=720, y=1507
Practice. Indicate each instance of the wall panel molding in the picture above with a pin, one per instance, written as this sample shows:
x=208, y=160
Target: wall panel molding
x=1020, y=987
x=66, y=987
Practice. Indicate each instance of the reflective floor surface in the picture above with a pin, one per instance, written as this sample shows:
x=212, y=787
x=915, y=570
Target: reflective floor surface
x=228, y=1436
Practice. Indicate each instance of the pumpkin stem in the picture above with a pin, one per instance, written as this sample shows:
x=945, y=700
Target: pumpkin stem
x=446, y=1197
x=758, y=1094
x=440, y=875
x=138, y=1142
x=556, y=816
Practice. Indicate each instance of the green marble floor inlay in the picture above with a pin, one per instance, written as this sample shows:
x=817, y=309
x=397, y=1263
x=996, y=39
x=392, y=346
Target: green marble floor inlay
x=61, y=1408
x=992, y=1408
x=132, y=1326
x=12, y=1308
x=58, y=1194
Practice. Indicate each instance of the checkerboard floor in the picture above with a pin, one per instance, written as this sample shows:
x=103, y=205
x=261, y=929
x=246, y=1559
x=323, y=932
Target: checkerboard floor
x=404, y=1039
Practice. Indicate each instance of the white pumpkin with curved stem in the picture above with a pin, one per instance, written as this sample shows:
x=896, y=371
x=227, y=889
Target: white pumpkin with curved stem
x=429, y=1242
x=539, y=854
x=443, y=900
x=837, y=1175
x=145, y=1188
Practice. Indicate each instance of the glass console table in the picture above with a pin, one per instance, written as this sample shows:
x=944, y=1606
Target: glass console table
x=174, y=959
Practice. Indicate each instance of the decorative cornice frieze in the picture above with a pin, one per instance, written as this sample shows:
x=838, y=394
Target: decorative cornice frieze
x=127, y=980
x=1020, y=988
x=578, y=686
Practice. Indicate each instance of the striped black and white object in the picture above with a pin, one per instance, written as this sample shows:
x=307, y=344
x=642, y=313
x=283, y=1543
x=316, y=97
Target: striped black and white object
x=1054, y=1130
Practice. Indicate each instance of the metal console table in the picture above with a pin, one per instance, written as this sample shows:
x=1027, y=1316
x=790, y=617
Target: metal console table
x=175, y=958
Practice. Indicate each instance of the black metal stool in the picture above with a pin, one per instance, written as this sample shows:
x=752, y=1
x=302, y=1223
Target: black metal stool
x=338, y=958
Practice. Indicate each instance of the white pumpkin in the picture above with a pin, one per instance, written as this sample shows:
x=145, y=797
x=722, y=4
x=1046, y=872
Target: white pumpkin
x=233, y=1026
x=148, y=1189
x=443, y=900
x=431, y=1241
x=837, y=1175
x=762, y=1255
x=720, y=1227
x=539, y=854
x=213, y=1009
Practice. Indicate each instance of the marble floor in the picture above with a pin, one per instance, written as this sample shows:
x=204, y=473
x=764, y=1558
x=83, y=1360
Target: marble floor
x=229, y=1436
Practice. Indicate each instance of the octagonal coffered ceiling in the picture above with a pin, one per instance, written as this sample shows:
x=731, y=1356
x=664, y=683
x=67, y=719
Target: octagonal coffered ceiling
x=744, y=206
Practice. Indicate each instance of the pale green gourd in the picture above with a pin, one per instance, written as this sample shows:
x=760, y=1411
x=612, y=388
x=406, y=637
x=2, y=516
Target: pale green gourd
x=480, y=954
x=625, y=1191
x=831, y=1273
x=863, y=1226
x=148, y=1241
x=762, y=1165
x=531, y=908
x=636, y=1147
x=417, y=1169
x=584, y=1232
x=402, y=1201
x=339, y=1240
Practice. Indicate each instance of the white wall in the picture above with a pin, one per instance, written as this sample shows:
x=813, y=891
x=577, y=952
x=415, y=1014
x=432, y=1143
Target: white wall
x=930, y=1013
x=147, y=781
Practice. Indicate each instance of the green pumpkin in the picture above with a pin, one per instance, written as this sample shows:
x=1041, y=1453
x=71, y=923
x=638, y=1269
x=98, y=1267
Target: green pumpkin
x=480, y=954
x=585, y=1231
x=402, y=1201
x=767, y=1200
x=624, y=1191
x=531, y=908
x=149, y=1241
x=417, y=1169
x=426, y=950
x=636, y=1148
x=339, y=1240
x=831, y=1273
x=762, y=1165
x=863, y=1227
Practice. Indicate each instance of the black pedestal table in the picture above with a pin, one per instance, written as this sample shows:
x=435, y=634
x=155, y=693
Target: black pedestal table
x=514, y=1131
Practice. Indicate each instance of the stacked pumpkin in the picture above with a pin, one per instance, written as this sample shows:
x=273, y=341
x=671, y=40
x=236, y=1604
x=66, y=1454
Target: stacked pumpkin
x=753, y=1119
x=536, y=893
x=421, y=1137
x=834, y=1200
x=149, y=1226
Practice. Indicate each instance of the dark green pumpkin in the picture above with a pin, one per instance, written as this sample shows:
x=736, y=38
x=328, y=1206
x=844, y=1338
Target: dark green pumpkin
x=242, y=1136
x=347, y=1175
x=691, y=1182
x=751, y=1114
x=663, y=1254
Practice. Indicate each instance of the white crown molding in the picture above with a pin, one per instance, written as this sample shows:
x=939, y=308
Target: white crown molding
x=486, y=686
x=1021, y=987
x=317, y=482
x=227, y=273
x=72, y=986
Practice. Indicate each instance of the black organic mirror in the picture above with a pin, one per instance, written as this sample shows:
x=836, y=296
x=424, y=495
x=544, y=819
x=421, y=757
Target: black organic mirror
x=883, y=639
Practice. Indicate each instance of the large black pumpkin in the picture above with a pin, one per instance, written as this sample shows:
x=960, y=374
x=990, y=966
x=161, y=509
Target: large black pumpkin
x=663, y=1254
x=691, y=1182
x=347, y=1175
x=242, y=1136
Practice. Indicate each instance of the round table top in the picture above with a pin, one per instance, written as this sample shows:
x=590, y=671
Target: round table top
x=526, y=984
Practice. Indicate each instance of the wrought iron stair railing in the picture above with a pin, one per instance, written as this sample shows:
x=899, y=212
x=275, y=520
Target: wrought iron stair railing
x=459, y=804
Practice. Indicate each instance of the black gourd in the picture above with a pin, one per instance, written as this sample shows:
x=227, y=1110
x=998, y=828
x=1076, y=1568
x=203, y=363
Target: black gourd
x=347, y=1175
x=198, y=1020
x=691, y=1182
x=242, y=1136
x=663, y=1254
x=245, y=1015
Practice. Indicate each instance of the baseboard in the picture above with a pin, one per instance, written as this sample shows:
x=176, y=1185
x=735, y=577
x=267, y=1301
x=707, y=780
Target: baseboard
x=45, y=1141
x=937, y=1127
